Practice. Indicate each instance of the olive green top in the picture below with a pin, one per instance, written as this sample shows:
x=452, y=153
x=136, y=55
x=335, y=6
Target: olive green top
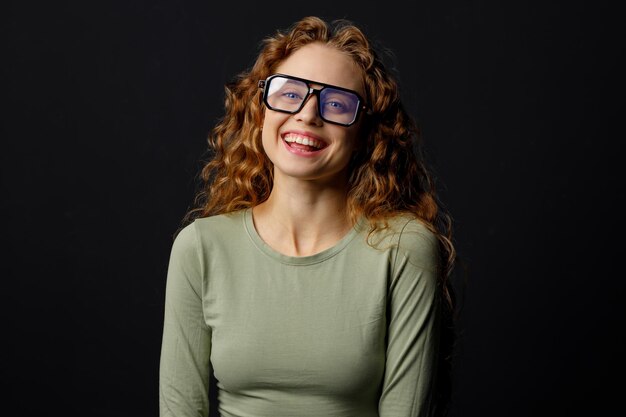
x=350, y=331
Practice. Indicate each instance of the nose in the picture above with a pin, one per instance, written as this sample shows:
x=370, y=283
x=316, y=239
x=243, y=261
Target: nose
x=309, y=113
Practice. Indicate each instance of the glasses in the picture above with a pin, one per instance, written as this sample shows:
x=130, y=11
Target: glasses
x=289, y=94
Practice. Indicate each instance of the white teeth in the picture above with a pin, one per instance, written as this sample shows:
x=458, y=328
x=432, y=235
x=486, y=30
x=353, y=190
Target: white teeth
x=302, y=140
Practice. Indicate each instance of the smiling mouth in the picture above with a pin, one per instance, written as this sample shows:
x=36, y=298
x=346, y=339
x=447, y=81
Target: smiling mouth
x=303, y=143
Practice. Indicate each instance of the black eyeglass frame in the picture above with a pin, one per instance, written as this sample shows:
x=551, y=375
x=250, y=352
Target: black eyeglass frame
x=361, y=106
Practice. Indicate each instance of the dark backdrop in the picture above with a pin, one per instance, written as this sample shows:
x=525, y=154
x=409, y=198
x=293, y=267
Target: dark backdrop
x=107, y=108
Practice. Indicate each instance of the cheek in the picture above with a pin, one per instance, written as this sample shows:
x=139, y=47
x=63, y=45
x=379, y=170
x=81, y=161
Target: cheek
x=265, y=139
x=269, y=132
x=264, y=121
x=272, y=122
x=269, y=128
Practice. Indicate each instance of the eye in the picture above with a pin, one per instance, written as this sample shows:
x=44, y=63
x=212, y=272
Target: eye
x=292, y=95
x=333, y=105
x=338, y=102
x=337, y=105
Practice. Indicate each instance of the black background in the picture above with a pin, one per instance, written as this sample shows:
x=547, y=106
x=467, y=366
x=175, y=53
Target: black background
x=108, y=105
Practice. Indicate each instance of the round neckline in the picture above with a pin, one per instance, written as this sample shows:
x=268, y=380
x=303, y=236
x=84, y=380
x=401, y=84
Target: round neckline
x=296, y=260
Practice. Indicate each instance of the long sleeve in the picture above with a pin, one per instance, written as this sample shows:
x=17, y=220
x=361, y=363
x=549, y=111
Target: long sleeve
x=412, y=335
x=186, y=344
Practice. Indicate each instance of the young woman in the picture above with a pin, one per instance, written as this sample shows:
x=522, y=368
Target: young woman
x=312, y=277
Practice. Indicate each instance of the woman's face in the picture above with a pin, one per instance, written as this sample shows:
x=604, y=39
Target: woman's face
x=327, y=148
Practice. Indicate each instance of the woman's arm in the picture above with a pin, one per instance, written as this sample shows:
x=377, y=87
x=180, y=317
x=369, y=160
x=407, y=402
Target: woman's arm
x=186, y=345
x=413, y=334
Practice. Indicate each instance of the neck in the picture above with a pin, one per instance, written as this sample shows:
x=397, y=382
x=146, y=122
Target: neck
x=302, y=218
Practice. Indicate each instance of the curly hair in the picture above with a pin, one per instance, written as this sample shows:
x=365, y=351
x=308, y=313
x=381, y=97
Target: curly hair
x=388, y=174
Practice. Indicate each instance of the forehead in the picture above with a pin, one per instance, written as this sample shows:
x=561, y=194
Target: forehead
x=319, y=62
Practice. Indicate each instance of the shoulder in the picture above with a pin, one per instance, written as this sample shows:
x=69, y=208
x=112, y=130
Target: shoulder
x=190, y=235
x=185, y=243
x=213, y=229
x=221, y=223
x=193, y=242
x=214, y=234
x=412, y=241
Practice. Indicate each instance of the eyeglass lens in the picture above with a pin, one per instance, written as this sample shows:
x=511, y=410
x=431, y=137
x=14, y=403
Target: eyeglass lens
x=335, y=105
